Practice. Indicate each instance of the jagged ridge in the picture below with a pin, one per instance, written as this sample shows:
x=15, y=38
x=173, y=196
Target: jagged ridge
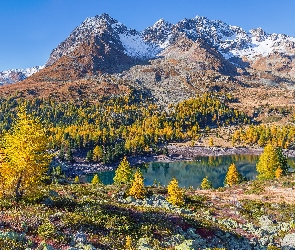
x=198, y=51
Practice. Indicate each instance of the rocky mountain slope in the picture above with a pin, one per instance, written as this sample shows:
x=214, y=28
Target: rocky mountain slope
x=231, y=41
x=162, y=61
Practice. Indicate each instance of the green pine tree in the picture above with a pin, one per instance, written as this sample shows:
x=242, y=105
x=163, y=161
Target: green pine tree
x=69, y=155
x=283, y=160
x=89, y=156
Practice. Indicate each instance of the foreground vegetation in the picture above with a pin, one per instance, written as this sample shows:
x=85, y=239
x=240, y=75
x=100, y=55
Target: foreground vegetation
x=105, y=215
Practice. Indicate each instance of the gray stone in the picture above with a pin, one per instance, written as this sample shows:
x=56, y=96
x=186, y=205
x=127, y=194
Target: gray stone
x=191, y=233
x=130, y=199
x=265, y=221
x=47, y=201
x=143, y=244
x=288, y=241
x=80, y=238
x=149, y=202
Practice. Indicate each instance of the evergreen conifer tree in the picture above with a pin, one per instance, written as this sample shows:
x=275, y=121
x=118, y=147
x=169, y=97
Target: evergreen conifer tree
x=175, y=194
x=283, y=160
x=61, y=154
x=137, y=189
x=89, y=155
x=123, y=173
x=69, y=155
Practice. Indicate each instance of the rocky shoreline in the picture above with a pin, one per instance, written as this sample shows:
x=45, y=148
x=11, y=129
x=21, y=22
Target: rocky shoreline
x=175, y=153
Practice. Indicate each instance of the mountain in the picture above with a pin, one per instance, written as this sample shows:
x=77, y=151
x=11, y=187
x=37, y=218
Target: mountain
x=190, y=56
x=16, y=75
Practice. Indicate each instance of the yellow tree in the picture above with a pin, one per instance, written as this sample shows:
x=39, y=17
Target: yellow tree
x=233, y=176
x=26, y=159
x=128, y=244
x=175, y=194
x=123, y=173
x=137, y=189
x=97, y=153
x=211, y=142
x=278, y=173
x=95, y=180
x=270, y=160
x=206, y=184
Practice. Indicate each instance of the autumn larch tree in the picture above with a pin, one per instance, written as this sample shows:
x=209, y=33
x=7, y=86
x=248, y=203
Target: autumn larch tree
x=211, y=142
x=97, y=154
x=270, y=160
x=206, y=184
x=95, y=180
x=232, y=176
x=25, y=156
x=278, y=173
x=123, y=173
x=137, y=189
x=175, y=193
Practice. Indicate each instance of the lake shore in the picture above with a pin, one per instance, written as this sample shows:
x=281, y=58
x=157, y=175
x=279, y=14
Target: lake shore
x=175, y=153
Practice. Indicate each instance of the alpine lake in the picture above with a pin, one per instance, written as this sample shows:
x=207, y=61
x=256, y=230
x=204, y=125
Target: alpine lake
x=191, y=173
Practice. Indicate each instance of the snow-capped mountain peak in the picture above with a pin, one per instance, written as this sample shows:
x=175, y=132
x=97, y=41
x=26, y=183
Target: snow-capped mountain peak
x=231, y=41
x=103, y=41
x=16, y=75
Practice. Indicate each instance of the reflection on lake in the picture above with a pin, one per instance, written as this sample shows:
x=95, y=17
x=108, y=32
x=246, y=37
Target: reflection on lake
x=191, y=173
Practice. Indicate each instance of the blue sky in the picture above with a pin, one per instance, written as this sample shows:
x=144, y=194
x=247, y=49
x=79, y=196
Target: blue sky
x=31, y=29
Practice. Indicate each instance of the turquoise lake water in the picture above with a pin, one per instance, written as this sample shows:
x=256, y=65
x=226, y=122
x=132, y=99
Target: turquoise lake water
x=191, y=173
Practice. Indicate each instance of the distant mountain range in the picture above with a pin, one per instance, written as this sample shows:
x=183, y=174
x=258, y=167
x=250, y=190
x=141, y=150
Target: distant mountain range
x=16, y=75
x=192, y=51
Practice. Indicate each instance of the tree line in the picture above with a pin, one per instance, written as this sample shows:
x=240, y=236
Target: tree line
x=123, y=125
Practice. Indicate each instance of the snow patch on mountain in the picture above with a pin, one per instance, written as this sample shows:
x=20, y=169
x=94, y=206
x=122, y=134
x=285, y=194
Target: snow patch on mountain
x=136, y=47
x=231, y=41
x=16, y=75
